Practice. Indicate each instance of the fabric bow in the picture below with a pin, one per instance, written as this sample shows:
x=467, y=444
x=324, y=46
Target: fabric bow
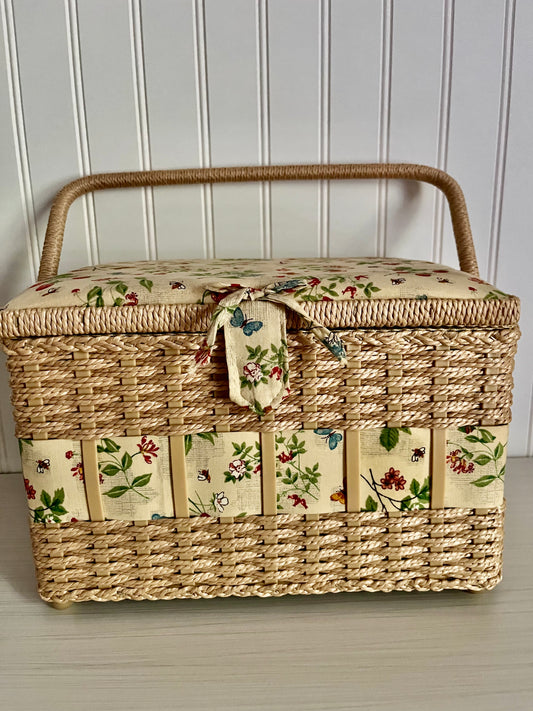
x=254, y=323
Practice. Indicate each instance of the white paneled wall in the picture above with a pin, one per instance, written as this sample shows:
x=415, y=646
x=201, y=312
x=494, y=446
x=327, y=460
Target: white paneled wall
x=97, y=85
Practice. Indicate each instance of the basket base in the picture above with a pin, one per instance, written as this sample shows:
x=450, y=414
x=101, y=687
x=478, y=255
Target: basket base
x=61, y=605
x=267, y=556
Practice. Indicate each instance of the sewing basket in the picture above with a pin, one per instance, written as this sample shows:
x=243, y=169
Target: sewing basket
x=204, y=428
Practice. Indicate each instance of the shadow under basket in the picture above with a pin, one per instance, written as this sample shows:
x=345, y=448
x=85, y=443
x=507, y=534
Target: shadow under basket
x=269, y=555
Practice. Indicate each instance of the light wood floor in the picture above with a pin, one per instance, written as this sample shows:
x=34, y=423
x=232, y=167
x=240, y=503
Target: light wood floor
x=403, y=651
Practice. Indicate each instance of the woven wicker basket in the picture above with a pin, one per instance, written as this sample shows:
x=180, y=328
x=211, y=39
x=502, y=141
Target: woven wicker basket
x=98, y=372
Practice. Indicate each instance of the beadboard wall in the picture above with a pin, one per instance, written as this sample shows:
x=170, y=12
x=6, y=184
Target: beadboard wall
x=97, y=85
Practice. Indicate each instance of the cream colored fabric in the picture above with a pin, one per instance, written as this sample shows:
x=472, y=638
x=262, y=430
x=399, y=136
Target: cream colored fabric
x=309, y=471
x=224, y=473
x=256, y=344
x=395, y=469
x=54, y=480
x=135, y=477
x=475, y=472
x=208, y=281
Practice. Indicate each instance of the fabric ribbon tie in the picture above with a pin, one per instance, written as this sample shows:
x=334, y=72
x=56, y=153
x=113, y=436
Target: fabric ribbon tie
x=254, y=322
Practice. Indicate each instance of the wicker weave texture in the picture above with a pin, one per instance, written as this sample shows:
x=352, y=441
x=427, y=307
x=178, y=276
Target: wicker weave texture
x=269, y=555
x=84, y=387
x=164, y=318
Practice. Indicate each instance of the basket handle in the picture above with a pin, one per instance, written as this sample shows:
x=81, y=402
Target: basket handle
x=351, y=171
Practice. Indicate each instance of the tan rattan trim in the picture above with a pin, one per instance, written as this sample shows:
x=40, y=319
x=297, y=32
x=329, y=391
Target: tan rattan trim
x=268, y=473
x=352, y=469
x=178, y=474
x=195, y=318
x=402, y=171
x=269, y=555
x=438, y=468
x=92, y=480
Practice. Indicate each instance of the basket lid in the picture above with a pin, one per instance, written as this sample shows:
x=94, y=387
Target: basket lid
x=182, y=295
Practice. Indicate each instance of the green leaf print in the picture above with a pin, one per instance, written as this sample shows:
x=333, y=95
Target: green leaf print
x=209, y=436
x=141, y=480
x=206, y=436
x=498, y=452
x=484, y=480
x=22, y=442
x=93, y=293
x=246, y=462
x=52, y=505
x=113, y=465
x=483, y=453
x=108, y=446
x=147, y=283
x=482, y=460
x=370, y=504
x=299, y=482
x=110, y=469
x=389, y=438
x=117, y=491
x=394, y=480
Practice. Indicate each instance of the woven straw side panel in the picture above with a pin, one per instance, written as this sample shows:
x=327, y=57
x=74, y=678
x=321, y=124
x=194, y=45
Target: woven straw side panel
x=84, y=387
x=270, y=555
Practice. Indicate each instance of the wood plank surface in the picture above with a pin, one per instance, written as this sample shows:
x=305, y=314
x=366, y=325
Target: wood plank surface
x=402, y=651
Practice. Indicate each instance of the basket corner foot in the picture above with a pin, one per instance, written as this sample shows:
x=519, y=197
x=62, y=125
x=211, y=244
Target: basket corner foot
x=60, y=605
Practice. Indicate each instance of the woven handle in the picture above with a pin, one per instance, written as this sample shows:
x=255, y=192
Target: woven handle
x=362, y=171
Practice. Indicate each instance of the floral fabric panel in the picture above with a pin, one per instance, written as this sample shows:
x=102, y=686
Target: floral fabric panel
x=53, y=477
x=309, y=471
x=475, y=466
x=223, y=473
x=256, y=355
x=193, y=282
x=256, y=343
x=135, y=478
x=395, y=469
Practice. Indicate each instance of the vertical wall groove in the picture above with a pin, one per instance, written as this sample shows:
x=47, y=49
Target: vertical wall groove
x=503, y=132
x=384, y=120
x=141, y=107
x=80, y=123
x=444, y=121
x=203, y=122
x=263, y=93
x=19, y=136
x=324, y=121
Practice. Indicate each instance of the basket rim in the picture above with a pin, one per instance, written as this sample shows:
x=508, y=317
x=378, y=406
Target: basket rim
x=195, y=318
